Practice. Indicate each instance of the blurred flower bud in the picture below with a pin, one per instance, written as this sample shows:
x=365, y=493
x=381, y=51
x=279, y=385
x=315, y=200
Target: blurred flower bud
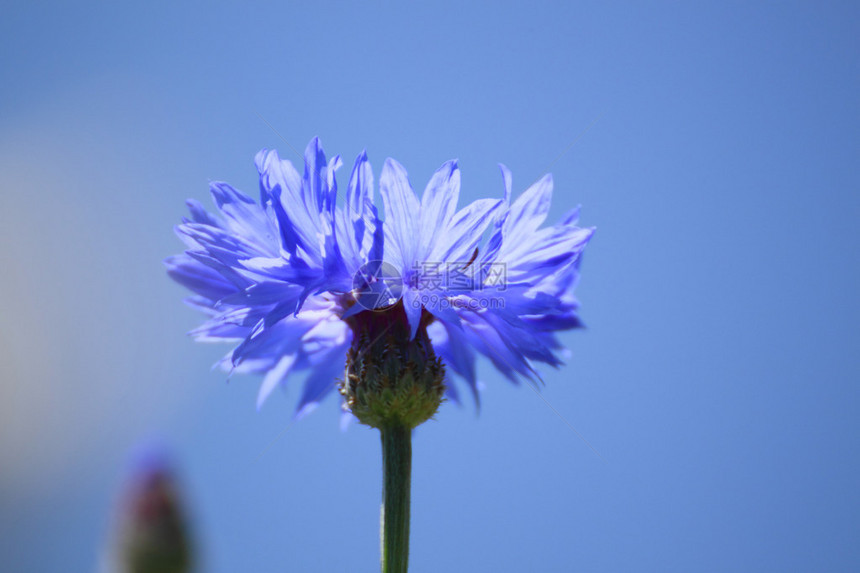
x=153, y=534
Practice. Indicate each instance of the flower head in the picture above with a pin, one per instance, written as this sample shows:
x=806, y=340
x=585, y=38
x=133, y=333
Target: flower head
x=295, y=280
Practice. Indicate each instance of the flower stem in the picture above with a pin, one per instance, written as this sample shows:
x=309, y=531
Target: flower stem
x=396, y=482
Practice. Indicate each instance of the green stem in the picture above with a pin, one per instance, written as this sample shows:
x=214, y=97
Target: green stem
x=396, y=481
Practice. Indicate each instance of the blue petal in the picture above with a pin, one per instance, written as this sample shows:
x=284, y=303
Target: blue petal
x=359, y=219
x=506, y=176
x=334, y=164
x=298, y=217
x=200, y=215
x=321, y=381
x=198, y=277
x=233, y=246
x=494, y=340
x=520, y=338
x=376, y=252
x=275, y=341
x=451, y=344
x=440, y=306
x=293, y=269
x=413, y=308
x=571, y=217
x=229, y=274
x=360, y=191
x=451, y=392
x=313, y=187
x=360, y=232
x=401, y=211
x=277, y=173
x=218, y=333
x=274, y=377
x=244, y=217
x=548, y=251
x=530, y=209
x=465, y=231
x=439, y=203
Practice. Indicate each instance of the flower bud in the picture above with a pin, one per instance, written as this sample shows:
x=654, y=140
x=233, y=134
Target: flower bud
x=153, y=536
x=392, y=380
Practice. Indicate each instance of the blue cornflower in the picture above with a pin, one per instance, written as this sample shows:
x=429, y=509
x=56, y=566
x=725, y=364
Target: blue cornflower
x=293, y=279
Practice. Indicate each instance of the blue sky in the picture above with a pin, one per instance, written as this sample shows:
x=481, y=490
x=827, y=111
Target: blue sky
x=714, y=146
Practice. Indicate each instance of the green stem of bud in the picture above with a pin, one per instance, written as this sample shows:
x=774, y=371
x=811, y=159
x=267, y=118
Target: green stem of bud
x=396, y=483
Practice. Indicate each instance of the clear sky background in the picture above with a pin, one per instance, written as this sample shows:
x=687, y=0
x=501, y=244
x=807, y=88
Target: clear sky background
x=715, y=147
